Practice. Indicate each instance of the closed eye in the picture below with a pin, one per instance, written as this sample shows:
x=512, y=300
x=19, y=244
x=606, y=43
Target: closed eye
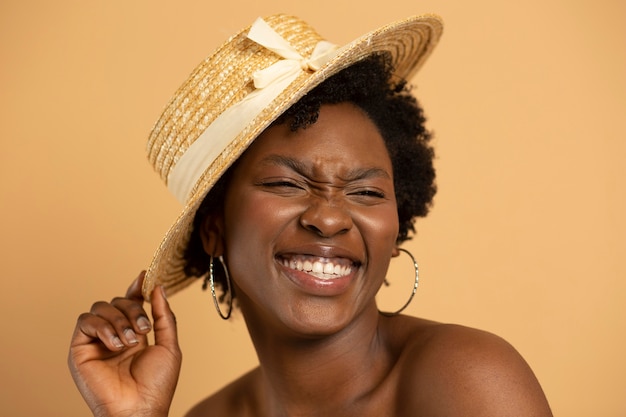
x=280, y=187
x=369, y=193
x=276, y=184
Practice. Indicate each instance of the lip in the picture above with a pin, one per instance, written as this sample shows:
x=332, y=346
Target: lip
x=312, y=284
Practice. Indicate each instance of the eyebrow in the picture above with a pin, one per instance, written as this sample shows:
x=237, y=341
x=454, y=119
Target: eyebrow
x=302, y=169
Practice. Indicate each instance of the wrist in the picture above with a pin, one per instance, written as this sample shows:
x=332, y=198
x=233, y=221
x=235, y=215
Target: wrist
x=132, y=413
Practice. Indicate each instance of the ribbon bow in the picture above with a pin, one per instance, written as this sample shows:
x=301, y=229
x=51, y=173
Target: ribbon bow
x=289, y=67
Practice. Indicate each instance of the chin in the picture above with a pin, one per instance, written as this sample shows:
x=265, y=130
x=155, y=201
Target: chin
x=319, y=320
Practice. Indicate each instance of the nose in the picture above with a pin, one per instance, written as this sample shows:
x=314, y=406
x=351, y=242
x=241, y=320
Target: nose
x=326, y=218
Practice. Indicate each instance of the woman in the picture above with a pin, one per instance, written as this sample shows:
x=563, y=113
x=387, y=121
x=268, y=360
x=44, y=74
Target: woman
x=302, y=167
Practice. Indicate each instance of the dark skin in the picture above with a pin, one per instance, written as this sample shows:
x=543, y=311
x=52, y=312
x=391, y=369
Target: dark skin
x=323, y=194
x=113, y=364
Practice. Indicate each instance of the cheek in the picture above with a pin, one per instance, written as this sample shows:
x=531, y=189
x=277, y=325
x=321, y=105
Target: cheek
x=379, y=232
x=243, y=219
x=252, y=223
x=243, y=238
x=382, y=227
x=253, y=213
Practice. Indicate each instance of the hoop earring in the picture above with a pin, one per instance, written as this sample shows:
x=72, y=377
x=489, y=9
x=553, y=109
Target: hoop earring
x=211, y=280
x=395, y=313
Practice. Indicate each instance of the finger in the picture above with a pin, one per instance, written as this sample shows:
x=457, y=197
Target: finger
x=134, y=290
x=132, y=305
x=91, y=328
x=116, y=319
x=165, y=332
x=134, y=312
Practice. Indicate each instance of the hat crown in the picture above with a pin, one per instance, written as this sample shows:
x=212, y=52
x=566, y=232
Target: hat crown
x=224, y=78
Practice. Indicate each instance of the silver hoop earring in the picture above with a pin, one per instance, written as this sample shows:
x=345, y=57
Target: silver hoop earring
x=229, y=289
x=390, y=314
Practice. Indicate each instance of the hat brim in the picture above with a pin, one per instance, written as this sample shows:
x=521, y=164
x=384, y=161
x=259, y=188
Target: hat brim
x=408, y=42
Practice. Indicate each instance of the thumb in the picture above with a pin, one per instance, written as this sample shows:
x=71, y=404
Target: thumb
x=165, y=331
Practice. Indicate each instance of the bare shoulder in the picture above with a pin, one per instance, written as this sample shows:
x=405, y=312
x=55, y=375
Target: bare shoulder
x=454, y=370
x=237, y=398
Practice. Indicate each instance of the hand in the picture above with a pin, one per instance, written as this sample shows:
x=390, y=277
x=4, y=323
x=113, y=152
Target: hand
x=117, y=372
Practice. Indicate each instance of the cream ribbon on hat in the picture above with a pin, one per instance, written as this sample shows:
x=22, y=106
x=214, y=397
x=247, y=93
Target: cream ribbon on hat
x=269, y=83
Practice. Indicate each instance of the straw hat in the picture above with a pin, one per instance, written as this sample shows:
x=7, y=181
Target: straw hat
x=235, y=93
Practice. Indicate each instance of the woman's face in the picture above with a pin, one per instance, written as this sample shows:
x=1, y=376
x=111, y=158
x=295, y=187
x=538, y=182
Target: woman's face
x=310, y=222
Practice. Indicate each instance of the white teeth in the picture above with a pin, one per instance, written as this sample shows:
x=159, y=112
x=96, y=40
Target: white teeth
x=307, y=266
x=324, y=270
x=318, y=267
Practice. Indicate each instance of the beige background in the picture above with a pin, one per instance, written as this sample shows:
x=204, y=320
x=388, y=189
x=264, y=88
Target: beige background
x=527, y=237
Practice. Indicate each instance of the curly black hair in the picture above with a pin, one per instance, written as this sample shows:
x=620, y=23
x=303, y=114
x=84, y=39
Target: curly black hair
x=370, y=85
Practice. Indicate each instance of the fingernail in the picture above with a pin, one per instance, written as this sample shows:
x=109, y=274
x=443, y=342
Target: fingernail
x=163, y=292
x=143, y=323
x=130, y=336
x=117, y=342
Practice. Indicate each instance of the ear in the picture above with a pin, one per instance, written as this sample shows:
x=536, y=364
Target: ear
x=395, y=252
x=212, y=235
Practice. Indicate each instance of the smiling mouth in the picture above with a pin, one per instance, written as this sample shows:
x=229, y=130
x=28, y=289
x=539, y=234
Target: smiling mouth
x=323, y=268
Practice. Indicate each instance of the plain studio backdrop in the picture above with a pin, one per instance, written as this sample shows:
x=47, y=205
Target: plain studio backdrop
x=526, y=239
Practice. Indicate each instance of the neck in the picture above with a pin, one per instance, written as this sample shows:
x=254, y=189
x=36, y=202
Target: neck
x=303, y=374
